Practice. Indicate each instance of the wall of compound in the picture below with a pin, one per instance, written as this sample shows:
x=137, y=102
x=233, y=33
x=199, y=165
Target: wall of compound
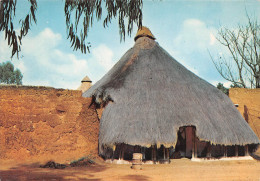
x=248, y=101
x=41, y=123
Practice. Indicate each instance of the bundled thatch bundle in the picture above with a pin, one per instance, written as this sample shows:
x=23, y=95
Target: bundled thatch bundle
x=152, y=96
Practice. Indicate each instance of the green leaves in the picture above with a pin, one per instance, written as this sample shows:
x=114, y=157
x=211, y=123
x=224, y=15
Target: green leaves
x=221, y=87
x=80, y=15
x=10, y=76
x=85, y=12
x=7, y=14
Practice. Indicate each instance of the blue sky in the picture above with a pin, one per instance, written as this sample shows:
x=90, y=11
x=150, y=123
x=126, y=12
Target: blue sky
x=186, y=29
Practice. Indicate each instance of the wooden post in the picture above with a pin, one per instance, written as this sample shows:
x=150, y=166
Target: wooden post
x=209, y=151
x=113, y=153
x=246, y=150
x=153, y=153
x=143, y=152
x=194, y=148
x=163, y=152
x=168, y=154
x=225, y=151
x=192, y=153
x=121, y=153
x=236, y=150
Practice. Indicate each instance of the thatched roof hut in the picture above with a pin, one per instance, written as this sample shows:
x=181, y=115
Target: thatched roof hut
x=150, y=96
x=86, y=83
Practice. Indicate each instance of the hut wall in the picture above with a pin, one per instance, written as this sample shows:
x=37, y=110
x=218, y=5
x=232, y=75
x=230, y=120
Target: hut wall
x=84, y=86
x=41, y=124
x=202, y=147
x=249, y=106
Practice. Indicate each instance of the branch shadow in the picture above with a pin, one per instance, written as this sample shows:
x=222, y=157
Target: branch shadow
x=135, y=177
x=246, y=113
x=34, y=172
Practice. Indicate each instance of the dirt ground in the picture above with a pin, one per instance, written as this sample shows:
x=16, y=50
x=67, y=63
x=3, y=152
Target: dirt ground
x=178, y=169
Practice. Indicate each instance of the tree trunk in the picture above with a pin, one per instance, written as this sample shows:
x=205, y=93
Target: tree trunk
x=257, y=80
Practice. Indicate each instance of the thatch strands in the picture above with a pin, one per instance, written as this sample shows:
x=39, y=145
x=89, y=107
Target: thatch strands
x=153, y=96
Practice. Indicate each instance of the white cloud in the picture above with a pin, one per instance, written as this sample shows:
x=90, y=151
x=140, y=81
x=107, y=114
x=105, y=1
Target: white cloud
x=212, y=39
x=225, y=83
x=214, y=82
x=45, y=40
x=195, y=36
x=104, y=56
x=192, y=46
x=20, y=65
x=43, y=63
x=69, y=63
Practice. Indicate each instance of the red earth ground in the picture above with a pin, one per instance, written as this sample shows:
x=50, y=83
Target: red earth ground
x=178, y=169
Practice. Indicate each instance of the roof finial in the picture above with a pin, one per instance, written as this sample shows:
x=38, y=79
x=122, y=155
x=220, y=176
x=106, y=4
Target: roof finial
x=144, y=32
x=86, y=79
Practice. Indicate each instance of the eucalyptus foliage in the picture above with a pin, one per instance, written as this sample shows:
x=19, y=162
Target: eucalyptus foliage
x=80, y=16
x=7, y=15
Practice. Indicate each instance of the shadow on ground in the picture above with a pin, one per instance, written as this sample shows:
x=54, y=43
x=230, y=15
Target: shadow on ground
x=34, y=172
x=135, y=177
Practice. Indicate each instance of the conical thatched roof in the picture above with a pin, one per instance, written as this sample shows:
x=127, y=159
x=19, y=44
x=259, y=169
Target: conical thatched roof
x=153, y=95
x=86, y=83
x=86, y=79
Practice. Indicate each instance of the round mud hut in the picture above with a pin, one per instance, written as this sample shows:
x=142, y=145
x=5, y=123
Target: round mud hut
x=151, y=104
x=86, y=83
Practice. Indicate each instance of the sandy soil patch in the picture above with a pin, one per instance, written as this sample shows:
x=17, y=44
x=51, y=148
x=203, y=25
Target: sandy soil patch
x=181, y=169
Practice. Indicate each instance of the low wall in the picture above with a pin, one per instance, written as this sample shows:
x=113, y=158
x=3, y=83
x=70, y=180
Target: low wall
x=248, y=101
x=41, y=123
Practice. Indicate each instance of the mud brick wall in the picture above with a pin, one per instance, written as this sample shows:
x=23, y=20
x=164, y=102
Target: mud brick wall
x=248, y=101
x=42, y=123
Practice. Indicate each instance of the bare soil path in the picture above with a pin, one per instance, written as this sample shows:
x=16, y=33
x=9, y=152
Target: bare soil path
x=181, y=169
